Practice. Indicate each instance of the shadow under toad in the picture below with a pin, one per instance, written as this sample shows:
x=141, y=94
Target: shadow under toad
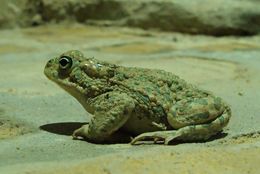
x=67, y=128
x=64, y=128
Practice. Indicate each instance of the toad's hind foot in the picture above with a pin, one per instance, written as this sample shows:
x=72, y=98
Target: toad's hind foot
x=165, y=136
x=199, y=132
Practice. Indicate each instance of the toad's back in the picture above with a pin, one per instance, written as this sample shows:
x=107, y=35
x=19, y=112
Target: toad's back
x=158, y=86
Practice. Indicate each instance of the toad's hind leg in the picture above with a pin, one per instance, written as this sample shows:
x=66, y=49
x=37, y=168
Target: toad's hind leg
x=189, y=133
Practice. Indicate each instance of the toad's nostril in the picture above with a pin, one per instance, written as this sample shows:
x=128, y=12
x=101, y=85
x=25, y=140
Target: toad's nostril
x=50, y=61
x=48, y=64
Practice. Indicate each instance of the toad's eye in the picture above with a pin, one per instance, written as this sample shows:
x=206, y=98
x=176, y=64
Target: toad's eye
x=65, y=62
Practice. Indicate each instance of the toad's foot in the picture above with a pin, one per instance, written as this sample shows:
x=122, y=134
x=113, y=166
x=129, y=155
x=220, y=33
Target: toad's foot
x=165, y=136
x=117, y=137
x=81, y=132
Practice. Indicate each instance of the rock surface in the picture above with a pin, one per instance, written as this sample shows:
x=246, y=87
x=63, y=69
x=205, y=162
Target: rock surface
x=227, y=66
x=218, y=17
x=11, y=12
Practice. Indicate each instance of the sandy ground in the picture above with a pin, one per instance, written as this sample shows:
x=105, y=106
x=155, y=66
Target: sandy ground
x=37, y=118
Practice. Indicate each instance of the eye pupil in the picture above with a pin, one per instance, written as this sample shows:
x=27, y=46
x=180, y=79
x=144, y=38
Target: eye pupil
x=65, y=62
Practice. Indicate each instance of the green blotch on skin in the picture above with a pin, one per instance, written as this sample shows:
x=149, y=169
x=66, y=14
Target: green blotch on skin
x=158, y=110
x=222, y=120
x=189, y=94
x=201, y=116
x=120, y=76
x=207, y=126
x=144, y=98
x=202, y=101
x=174, y=114
x=192, y=128
x=217, y=103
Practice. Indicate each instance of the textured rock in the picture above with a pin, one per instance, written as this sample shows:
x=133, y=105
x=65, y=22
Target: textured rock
x=9, y=13
x=213, y=17
x=227, y=66
x=76, y=10
x=219, y=17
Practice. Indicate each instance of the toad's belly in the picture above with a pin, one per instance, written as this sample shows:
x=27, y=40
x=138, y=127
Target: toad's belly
x=136, y=126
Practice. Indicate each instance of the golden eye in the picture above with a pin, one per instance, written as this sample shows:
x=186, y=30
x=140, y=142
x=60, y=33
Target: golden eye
x=65, y=62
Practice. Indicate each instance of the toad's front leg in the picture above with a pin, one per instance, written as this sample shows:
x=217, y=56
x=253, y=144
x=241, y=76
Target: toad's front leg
x=111, y=111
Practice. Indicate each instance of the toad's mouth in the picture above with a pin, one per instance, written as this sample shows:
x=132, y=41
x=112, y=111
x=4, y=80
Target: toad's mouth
x=71, y=87
x=75, y=90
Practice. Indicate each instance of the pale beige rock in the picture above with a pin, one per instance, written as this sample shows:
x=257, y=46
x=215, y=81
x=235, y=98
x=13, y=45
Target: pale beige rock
x=218, y=17
x=212, y=17
x=228, y=66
